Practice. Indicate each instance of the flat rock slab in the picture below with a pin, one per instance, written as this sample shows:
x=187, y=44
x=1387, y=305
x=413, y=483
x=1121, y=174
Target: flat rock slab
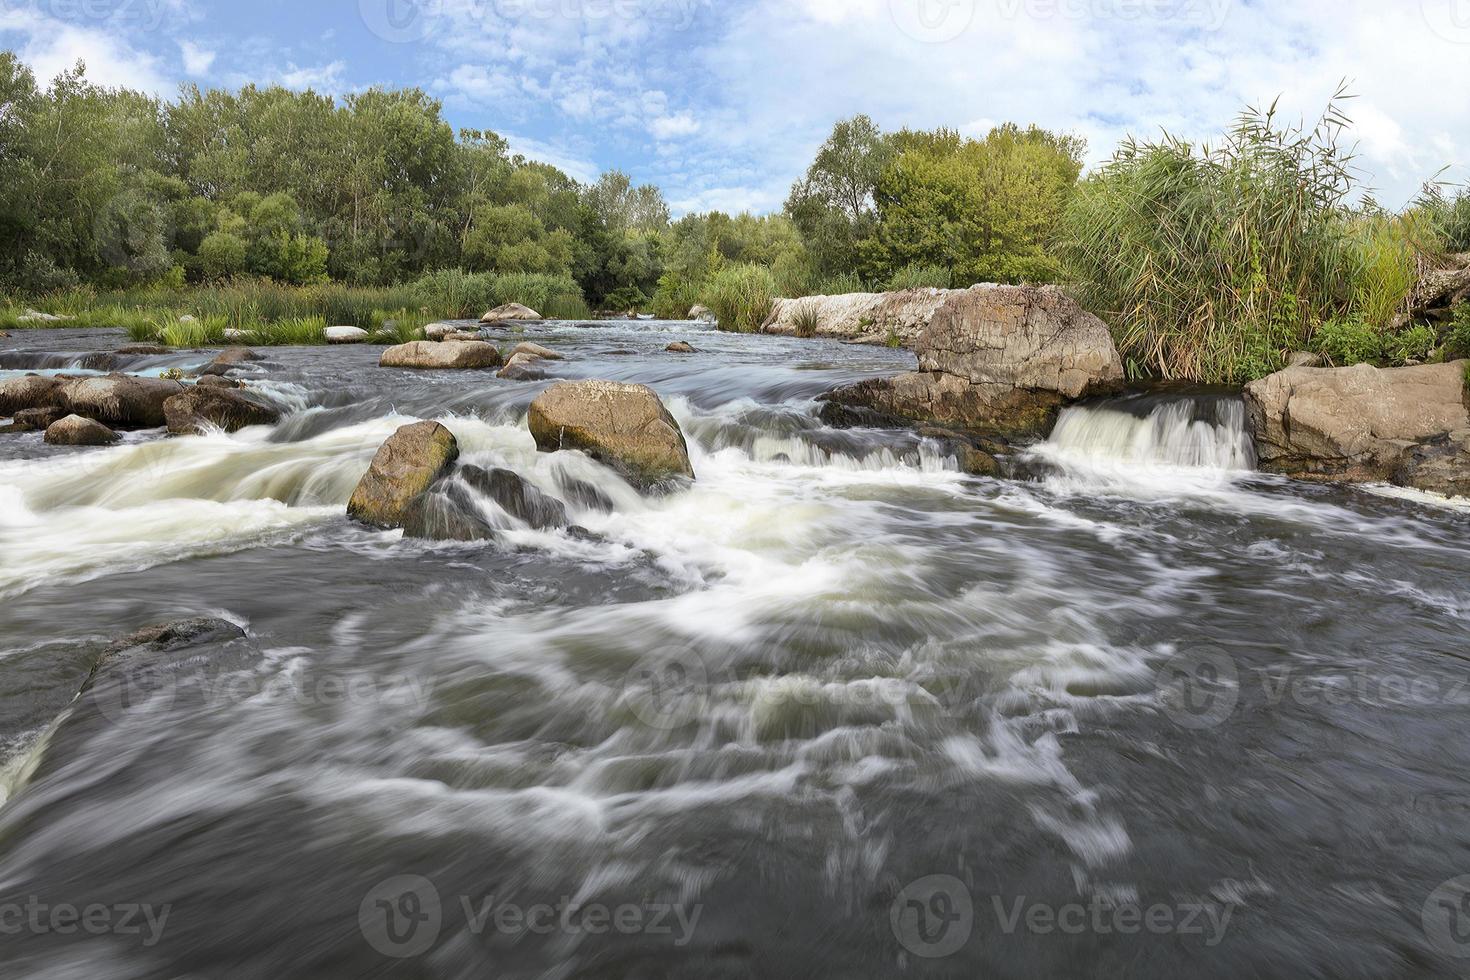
x=426, y=354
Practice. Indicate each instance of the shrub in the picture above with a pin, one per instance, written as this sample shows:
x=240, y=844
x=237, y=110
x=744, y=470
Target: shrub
x=1417, y=343
x=625, y=298
x=302, y=331
x=222, y=255
x=1449, y=215
x=1385, y=253
x=914, y=275
x=805, y=319
x=1211, y=262
x=677, y=294
x=1347, y=341
x=1458, y=339
x=740, y=296
x=841, y=284
x=399, y=326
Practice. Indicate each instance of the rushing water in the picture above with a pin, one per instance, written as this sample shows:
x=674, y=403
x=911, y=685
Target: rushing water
x=836, y=710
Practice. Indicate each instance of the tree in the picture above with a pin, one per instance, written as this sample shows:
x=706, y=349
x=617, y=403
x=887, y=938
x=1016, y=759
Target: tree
x=833, y=205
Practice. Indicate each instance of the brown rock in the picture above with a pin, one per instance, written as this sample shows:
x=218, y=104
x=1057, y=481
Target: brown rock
x=199, y=409
x=470, y=354
x=77, y=431
x=39, y=419
x=623, y=425
x=217, y=381
x=29, y=391
x=999, y=359
x=230, y=359
x=445, y=512
x=679, y=347
x=535, y=350
x=522, y=367
x=511, y=311
x=405, y=466
x=460, y=336
x=1356, y=423
x=145, y=349
x=120, y=400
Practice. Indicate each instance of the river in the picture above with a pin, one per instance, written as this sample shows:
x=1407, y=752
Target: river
x=836, y=710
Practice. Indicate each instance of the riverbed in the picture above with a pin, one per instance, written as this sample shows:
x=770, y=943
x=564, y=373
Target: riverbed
x=836, y=709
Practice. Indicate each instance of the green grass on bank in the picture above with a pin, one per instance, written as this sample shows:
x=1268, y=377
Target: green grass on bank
x=277, y=314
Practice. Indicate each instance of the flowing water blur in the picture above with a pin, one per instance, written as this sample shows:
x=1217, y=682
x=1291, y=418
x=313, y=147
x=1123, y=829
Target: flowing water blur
x=836, y=710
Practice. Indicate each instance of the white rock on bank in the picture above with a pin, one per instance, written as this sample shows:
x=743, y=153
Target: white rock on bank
x=346, y=335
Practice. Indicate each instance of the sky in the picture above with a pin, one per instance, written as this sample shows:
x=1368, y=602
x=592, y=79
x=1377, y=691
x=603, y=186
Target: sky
x=723, y=103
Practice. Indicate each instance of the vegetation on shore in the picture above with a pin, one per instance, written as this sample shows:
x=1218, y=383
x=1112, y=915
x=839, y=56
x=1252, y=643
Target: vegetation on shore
x=1210, y=263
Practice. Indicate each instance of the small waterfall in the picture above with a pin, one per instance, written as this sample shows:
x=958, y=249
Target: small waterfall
x=1149, y=437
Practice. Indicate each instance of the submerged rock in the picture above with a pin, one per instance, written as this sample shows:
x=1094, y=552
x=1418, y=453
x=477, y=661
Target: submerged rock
x=346, y=335
x=680, y=347
x=536, y=350
x=144, y=349
x=229, y=360
x=511, y=311
x=517, y=496
x=445, y=512
x=406, y=465
x=522, y=367
x=77, y=431
x=39, y=419
x=120, y=400
x=622, y=425
x=1362, y=423
x=584, y=494
x=464, y=355
x=998, y=359
x=199, y=409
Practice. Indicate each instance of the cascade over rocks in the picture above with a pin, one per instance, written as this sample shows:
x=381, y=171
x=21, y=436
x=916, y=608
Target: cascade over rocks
x=1409, y=425
x=198, y=409
x=406, y=465
x=77, y=431
x=622, y=425
x=511, y=311
x=445, y=512
x=463, y=355
x=996, y=359
x=517, y=496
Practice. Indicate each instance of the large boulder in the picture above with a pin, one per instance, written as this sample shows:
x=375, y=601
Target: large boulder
x=120, y=400
x=346, y=335
x=39, y=419
x=510, y=311
x=29, y=391
x=200, y=409
x=469, y=354
x=623, y=425
x=995, y=359
x=1362, y=423
x=77, y=431
x=405, y=466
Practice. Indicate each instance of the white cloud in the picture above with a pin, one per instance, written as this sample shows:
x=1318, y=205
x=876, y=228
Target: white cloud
x=576, y=167
x=50, y=47
x=324, y=78
x=668, y=127
x=197, y=60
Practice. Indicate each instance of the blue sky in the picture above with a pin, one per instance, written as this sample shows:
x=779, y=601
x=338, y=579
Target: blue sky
x=723, y=103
